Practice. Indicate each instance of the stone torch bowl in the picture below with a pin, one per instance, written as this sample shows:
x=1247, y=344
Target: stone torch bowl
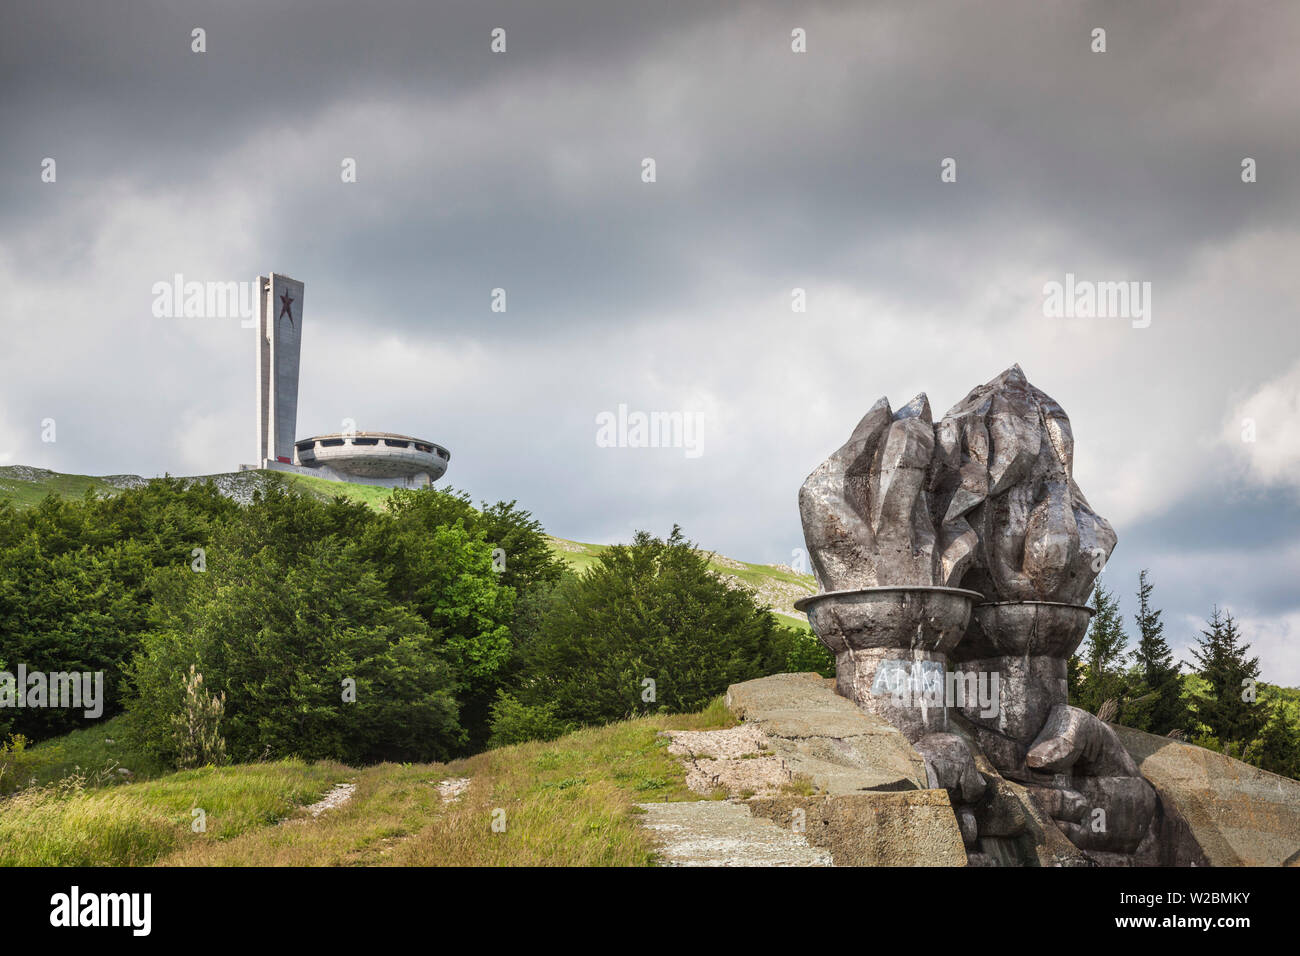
x=1026, y=645
x=891, y=648
x=1025, y=628
x=921, y=618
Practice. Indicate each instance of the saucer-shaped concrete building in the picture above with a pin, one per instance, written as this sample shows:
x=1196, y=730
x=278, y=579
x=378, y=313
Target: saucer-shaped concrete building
x=366, y=455
x=369, y=458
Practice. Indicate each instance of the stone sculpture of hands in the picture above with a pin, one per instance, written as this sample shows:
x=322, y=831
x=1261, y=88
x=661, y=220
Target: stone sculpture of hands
x=868, y=524
x=1004, y=467
x=903, y=523
x=1106, y=804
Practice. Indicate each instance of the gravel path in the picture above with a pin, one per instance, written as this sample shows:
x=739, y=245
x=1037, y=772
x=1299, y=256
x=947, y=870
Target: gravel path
x=452, y=788
x=338, y=796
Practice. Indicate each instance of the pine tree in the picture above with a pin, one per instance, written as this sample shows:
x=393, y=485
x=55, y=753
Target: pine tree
x=1162, y=708
x=1103, y=677
x=1230, y=710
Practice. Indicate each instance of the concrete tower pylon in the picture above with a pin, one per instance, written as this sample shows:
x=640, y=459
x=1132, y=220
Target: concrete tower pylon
x=279, y=346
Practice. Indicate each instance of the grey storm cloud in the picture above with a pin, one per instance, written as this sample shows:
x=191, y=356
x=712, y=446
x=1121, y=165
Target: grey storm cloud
x=775, y=170
x=803, y=166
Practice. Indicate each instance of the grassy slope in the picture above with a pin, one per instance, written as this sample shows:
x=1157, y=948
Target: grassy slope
x=372, y=496
x=25, y=494
x=568, y=802
x=776, y=586
x=141, y=823
x=98, y=751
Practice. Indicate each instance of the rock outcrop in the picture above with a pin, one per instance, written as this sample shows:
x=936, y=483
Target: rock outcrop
x=809, y=779
x=913, y=828
x=720, y=833
x=1239, y=815
x=867, y=800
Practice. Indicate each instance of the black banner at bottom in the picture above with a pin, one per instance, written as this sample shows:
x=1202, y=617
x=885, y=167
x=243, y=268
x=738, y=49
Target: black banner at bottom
x=335, y=905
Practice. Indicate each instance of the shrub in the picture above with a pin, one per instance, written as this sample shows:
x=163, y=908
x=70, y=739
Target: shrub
x=76, y=583
x=651, y=610
x=803, y=652
x=197, y=728
x=516, y=723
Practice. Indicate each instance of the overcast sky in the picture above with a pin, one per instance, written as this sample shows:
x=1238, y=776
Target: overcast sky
x=775, y=170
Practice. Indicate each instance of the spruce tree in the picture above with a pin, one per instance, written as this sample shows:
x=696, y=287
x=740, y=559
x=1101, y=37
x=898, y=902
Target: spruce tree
x=1103, y=677
x=1162, y=709
x=1230, y=711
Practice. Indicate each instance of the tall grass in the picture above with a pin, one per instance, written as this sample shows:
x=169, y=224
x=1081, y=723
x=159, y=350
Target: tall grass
x=69, y=824
x=568, y=802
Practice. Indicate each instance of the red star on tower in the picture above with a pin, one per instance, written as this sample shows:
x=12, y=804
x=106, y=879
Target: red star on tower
x=284, y=308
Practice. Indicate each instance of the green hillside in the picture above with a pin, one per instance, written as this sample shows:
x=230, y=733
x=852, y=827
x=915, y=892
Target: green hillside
x=568, y=802
x=26, y=486
x=776, y=585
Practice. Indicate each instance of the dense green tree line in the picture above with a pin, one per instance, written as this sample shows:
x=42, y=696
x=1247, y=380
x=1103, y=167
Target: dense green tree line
x=77, y=581
x=1219, y=704
x=325, y=629
x=429, y=630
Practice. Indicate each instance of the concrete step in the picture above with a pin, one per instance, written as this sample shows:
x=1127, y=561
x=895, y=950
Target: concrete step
x=722, y=833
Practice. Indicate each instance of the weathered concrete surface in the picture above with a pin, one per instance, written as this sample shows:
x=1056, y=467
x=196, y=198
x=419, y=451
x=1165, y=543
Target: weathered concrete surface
x=731, y=760
x=890, y=647
x=1013, y=829
x=871, y=805
x=1170, y=841
x=1003, y=475
x=361, y=455
x=913, y=828
x=1240, y=815
x=730, y=744
x=721, y=833
x=843, y=752
x=1027, y=646
x=865, y=509
x=824, y=738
